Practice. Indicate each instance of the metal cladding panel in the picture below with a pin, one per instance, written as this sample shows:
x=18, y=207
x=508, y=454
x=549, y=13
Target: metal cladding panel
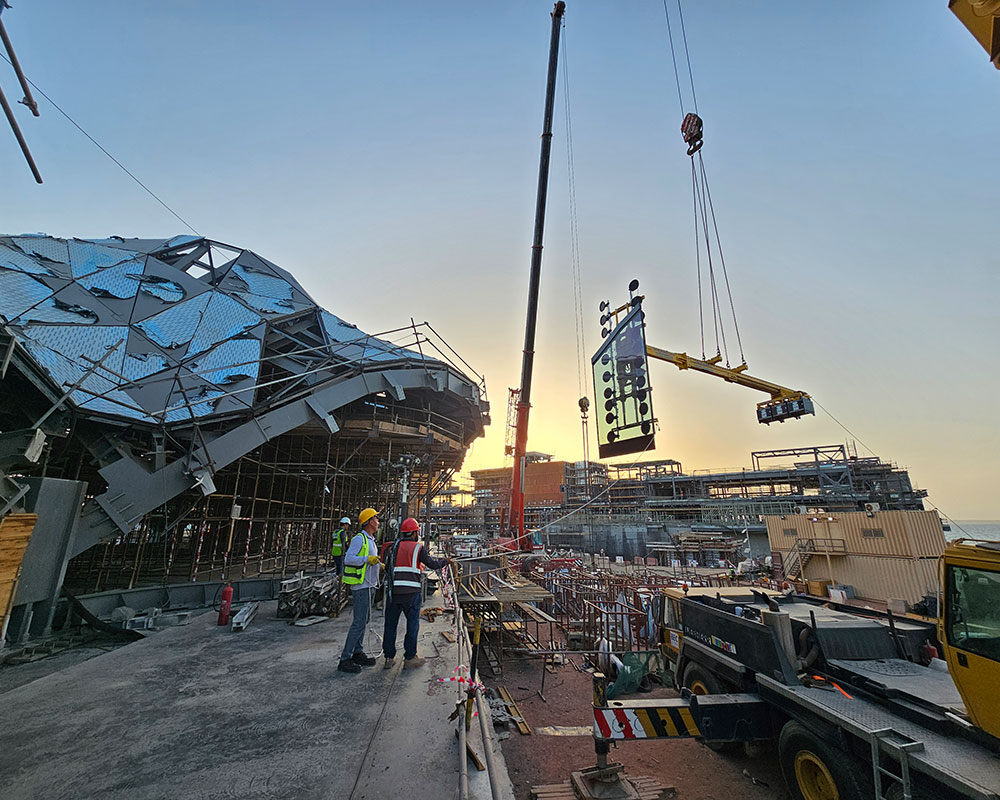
x=50, y=249
x=86, y=257
x=19, y=292
x=878, y=578
x=119, y=281
x=223, y=319
x=52, y=310
x=267, y=305
x=263, y=284
x=141, y=365
x=167, y=291
x=231, y=361
x=176, y=325
x=353, y=344
x=192, y=349
x=13, y=259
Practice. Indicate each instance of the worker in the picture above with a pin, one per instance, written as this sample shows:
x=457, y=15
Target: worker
x=341, y=536
x=361, y=570
x=403, y=592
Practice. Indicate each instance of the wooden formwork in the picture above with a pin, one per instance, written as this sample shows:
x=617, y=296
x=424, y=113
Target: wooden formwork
x=15, y=533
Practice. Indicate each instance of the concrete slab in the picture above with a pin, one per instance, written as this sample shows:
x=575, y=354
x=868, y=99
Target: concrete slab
x=199, y=711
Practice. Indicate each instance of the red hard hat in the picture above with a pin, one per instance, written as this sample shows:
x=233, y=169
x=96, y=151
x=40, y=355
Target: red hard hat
x=409, y=525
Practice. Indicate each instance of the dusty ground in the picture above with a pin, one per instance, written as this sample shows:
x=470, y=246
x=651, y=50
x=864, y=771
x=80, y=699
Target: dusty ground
x=697, y=772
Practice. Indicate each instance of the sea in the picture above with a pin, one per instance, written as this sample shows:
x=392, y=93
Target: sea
x=974, y=529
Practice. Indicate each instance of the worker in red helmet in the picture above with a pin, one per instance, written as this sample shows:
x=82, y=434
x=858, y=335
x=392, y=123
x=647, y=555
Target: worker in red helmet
x=403, y=592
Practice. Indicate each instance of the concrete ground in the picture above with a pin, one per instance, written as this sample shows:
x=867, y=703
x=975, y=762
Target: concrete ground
x=200, y=711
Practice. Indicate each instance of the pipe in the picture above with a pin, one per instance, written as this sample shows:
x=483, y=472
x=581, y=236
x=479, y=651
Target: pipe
x=19, y=136
x=491, y=769
x=28, y=100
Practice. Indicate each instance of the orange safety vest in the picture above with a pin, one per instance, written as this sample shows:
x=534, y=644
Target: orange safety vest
x=406, y=569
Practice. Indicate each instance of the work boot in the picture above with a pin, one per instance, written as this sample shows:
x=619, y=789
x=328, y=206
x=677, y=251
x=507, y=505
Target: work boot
x=388, y=662
x=413, y=663
x=363, y=660
x=348, y=666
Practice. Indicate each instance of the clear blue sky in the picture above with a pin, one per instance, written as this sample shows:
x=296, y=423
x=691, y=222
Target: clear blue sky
x=386, y=153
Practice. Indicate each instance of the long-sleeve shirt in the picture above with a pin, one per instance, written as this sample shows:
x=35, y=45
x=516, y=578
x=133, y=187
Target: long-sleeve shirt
x=355, y=559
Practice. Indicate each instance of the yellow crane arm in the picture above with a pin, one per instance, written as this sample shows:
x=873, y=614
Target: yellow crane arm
x=736, y=375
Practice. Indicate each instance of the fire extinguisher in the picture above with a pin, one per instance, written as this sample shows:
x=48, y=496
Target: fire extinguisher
x=227, y=602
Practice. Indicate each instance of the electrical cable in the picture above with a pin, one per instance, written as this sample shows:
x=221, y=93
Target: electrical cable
x=100, y=147
x=858, y=440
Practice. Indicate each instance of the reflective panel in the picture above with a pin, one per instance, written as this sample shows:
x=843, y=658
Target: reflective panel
x=16, y=260
x=120, y=281
x=19, y=292
x=86, y=257
x=45, y=246
x=223, y=319
x=231, y=361
x=263, y=284
x=53, y=310
x=175, y=326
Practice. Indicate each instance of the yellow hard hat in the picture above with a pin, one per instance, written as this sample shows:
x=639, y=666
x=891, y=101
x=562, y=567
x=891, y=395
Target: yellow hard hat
x=366, y=515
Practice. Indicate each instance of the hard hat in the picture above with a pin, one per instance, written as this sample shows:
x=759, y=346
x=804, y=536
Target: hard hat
x=409, y=526
x=345, y=520
x=366, y=515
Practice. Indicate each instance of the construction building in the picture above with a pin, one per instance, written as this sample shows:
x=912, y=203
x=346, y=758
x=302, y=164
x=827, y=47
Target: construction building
x=705, y=515
x=181, y=410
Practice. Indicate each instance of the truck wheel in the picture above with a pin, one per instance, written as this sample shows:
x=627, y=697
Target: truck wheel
x=815, y=770
x=700, y=681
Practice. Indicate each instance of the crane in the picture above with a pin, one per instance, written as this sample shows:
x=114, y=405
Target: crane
x=515, y=512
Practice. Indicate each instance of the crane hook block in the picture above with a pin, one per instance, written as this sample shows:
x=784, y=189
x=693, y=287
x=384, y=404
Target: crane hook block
x=692, y=129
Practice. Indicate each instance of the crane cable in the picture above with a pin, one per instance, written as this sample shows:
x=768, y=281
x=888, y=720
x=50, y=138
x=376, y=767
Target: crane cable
x=704, y=209
x=574, y=247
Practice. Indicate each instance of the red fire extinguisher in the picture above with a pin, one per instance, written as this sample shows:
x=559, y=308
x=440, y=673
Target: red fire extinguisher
x=227, y=602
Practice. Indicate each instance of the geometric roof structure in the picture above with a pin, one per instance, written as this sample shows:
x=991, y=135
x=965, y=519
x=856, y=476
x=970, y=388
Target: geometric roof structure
x=128, y=328
x=163, y=363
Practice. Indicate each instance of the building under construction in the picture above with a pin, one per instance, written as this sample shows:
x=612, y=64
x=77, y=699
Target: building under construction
x=648, y=500
x=181, y=410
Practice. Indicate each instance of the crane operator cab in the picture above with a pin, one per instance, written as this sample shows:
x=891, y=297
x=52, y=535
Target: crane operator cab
x=971, y=627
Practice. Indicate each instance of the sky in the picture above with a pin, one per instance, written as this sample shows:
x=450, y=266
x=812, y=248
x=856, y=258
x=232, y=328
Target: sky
x=387, y=154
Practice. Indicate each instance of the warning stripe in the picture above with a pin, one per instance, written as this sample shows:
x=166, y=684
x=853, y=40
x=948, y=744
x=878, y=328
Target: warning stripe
x=644, y=723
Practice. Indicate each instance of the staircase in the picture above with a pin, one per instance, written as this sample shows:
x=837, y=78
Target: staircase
x=794, y=564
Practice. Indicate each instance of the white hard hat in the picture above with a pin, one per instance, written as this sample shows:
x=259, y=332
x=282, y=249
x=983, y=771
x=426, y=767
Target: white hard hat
x=345, y=520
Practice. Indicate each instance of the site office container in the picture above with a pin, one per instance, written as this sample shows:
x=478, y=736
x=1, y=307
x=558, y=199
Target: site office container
x=912, y=534
x=884, y=555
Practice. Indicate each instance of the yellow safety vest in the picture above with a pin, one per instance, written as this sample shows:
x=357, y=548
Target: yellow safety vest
x=356, y=575
x=338, y=542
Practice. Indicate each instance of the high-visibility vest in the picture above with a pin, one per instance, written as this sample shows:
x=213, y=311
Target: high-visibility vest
x=355, y=575
x=406, y=567
x=338, y=542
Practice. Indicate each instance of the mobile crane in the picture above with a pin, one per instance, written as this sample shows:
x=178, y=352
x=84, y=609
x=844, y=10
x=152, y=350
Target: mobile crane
x=858, y=702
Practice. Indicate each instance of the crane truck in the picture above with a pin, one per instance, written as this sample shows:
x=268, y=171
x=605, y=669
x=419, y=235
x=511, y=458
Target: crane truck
x=858, y=702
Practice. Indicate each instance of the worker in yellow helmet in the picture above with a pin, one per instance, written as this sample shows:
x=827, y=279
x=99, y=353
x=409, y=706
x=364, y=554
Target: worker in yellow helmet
x=361, y=571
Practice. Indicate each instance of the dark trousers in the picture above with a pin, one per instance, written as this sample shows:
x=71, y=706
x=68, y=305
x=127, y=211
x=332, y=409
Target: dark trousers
x=409, y=606
x=338, y=563
x=355, y=643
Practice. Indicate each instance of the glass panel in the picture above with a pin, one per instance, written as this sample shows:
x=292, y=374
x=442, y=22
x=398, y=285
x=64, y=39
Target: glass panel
x=973, y=611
